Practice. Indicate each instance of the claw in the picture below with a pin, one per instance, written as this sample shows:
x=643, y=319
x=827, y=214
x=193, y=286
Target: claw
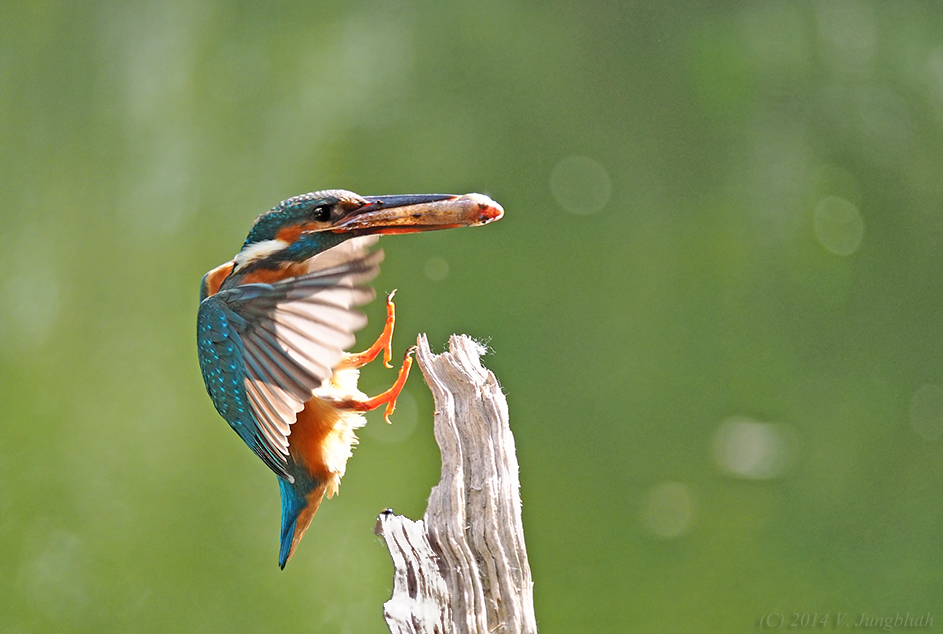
x=388, y=397
x=400, y=383
x=384, y=342
x=390, y=322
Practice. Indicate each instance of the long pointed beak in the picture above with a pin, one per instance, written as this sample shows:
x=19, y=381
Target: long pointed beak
x=420, y=212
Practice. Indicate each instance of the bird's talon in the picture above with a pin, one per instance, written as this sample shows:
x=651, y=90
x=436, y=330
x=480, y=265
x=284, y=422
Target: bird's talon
x=400, y=383
x=384, y=342
x=390, y=321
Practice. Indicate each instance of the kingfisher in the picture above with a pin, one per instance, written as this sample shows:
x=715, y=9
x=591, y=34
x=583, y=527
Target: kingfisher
x=275, y=322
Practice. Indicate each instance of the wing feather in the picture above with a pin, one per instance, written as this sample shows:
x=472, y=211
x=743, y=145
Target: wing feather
x=268, y=386
x=265, y=348
x=290, y=379
x=265, y=416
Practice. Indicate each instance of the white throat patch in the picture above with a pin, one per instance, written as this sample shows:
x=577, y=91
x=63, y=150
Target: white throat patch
x=257, y=251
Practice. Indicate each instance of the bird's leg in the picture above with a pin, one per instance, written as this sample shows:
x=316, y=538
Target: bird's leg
x=388, y=397
x=384, y=342
x=359, y=359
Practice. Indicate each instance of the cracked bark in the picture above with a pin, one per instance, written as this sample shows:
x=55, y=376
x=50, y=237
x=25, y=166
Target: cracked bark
x=463, y=568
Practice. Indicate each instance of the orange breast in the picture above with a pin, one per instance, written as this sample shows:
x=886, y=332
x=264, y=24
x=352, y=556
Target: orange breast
x=321, y=440
x=313, y=425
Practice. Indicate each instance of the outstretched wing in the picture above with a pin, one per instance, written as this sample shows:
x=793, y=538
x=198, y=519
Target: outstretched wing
x=265, y=348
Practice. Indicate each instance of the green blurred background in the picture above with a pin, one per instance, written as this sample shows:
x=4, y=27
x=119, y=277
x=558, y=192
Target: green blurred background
x=714, y=302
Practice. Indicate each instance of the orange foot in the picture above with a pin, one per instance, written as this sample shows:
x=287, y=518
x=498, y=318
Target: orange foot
x=384, y=342
x=388, y=397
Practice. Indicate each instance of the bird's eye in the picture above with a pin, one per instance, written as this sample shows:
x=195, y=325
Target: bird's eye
x=322, y=213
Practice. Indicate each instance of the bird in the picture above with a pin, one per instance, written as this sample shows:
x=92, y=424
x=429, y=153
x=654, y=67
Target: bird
x=275, y=322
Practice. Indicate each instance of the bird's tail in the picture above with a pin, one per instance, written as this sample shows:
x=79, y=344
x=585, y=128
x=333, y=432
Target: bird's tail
x=299, y=504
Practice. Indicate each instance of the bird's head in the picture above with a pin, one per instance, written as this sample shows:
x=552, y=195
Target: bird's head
x=301, y=227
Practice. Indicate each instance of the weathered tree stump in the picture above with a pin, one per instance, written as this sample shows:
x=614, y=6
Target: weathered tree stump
x=463, y=568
